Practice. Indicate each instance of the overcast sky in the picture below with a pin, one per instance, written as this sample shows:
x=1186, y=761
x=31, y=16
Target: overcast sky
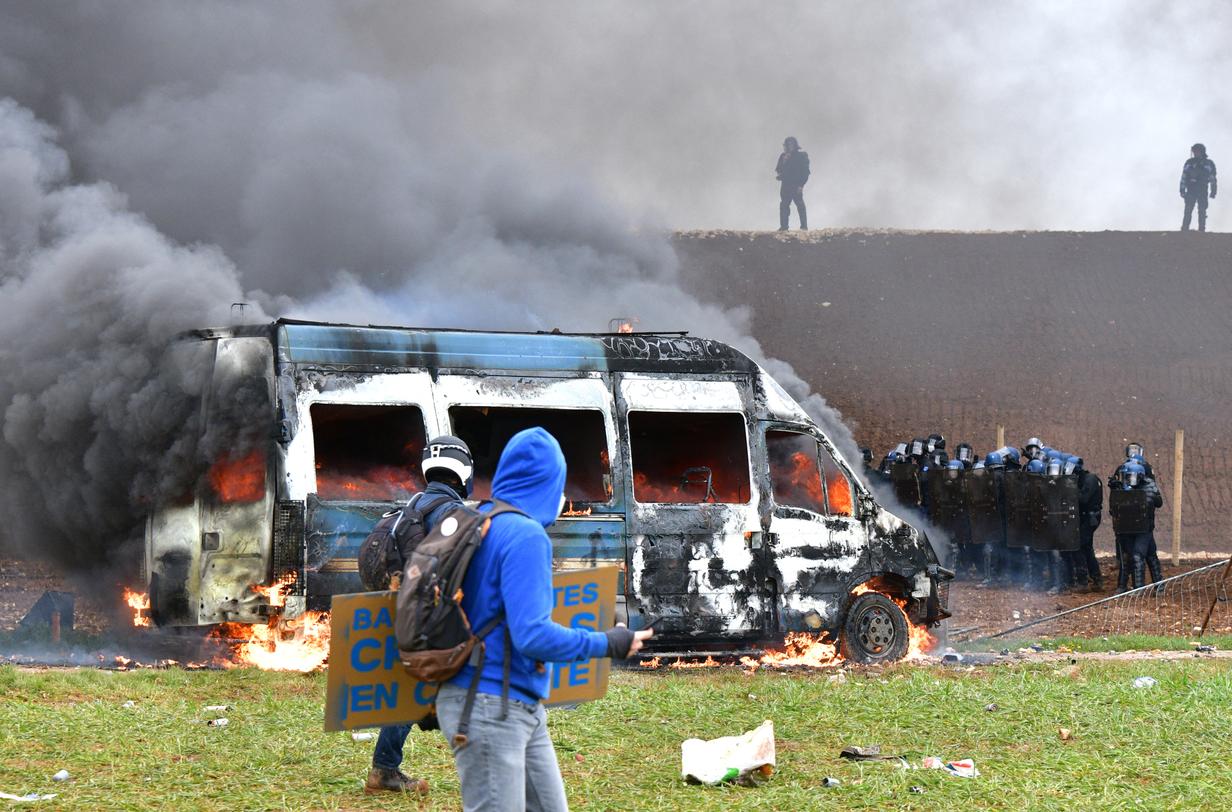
x=964, y=115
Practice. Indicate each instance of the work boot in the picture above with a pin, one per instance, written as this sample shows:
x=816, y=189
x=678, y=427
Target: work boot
x=1097, y=583
x=1122, y=573
x=383, y=780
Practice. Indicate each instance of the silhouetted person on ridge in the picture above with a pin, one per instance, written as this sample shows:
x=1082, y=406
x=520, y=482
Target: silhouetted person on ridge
x=793, y=171
x=1198, y=174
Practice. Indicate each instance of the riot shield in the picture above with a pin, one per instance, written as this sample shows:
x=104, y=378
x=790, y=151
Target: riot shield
x=905, y=477
x=982, y=495
x=1130, y=511
x=946, y=507
x=1059, y=496
x=1021, y=508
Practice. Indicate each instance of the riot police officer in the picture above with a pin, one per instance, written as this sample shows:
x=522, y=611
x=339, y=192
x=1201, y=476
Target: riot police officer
x=1197, y=178
x=1090, y=513
x=1132, y=502
x=966, y=455
x=1033, y=449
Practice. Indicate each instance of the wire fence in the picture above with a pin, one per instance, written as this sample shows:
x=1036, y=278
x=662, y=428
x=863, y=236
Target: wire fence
x=1176, y=606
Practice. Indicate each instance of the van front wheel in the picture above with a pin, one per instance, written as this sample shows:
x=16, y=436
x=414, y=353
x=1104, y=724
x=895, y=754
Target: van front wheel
x=874, y=631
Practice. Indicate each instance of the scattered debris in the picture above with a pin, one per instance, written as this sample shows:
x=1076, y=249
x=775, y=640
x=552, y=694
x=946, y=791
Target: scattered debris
x=932, y=763
x=1005, y=652
x=992, y=706
x=951, y=657
x=1145, y=682
x=33, y=796
x=1017, y=615
x=1065, y=734
x=364, y=736
x=829, y=781
x=129, y=704
x=745, y=759
x=1070, y=671
x=217, y=707
x=870, y=753
x=1205, y=647
x=61, y=776
x=579, y=758
x=964, y=768
x=917, y=789
x=837, y=678
x=217, y=722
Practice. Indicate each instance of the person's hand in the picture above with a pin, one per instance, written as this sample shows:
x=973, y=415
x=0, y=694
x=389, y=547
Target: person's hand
x=622, y=643
x=638, y=639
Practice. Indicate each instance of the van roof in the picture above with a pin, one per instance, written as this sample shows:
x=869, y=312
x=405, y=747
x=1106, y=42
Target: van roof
x=383, y=347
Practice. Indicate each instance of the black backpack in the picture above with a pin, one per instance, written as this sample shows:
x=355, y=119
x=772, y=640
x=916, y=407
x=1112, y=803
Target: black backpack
x=435, y=638
x=386, y=548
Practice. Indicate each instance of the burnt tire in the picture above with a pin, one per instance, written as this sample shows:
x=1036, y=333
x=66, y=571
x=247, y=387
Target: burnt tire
x=874, y=630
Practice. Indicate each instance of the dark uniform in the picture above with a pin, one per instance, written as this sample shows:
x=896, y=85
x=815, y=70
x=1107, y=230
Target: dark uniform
x=1136, y=543
x=1090, y=512
x=1197, y=178
x=793, y=171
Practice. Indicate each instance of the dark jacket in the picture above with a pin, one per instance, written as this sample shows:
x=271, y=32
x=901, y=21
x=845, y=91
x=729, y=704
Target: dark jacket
x=793, y=168
x=512, y=573
x=1197, y=173
x=1090, y=500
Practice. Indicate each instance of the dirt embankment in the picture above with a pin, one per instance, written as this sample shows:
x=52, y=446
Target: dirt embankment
x=1085, y=339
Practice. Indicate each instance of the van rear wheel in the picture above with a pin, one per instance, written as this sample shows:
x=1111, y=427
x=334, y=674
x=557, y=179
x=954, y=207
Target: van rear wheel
x=874, y=631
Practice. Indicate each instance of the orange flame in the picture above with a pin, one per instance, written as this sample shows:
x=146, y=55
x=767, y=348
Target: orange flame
x=840, y=495
x=301, y=644
x=139, y=602
x=654, y=662
x=239, y=480
x=799, y=649
x=709, y=662
x=570, y=511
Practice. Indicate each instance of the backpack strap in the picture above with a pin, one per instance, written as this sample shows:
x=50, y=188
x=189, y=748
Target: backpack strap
x=479, y=653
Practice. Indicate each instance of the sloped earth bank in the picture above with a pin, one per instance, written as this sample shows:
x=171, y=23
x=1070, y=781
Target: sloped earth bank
x=1085, y=339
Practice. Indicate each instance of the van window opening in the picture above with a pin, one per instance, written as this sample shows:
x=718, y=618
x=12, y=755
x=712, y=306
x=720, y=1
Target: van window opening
x=238, y=478
x=839, y=493
x=367, y=453
x=795, y=477
x=581, y=433
x=689, y=457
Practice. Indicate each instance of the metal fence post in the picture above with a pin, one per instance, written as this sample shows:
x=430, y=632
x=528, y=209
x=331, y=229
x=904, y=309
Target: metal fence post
x=1178, y=476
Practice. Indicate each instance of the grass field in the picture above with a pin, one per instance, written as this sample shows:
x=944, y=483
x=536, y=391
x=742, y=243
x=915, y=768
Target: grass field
x=1161, y=748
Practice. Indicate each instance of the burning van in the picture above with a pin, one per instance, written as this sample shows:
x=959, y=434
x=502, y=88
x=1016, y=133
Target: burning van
x=732, y=517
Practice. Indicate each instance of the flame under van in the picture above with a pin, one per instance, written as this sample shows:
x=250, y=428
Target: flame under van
x=731, y=515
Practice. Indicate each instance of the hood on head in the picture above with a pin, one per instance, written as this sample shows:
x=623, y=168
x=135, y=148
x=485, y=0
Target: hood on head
x=531, y=475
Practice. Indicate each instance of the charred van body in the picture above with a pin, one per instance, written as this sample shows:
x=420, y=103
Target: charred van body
x=732, y=516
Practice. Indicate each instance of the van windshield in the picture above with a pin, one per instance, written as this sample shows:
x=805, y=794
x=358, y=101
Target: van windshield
x=367, y=453
x=689, y=457
x=580, y=432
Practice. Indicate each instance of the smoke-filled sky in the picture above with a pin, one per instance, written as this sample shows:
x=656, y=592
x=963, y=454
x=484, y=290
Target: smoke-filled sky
x=506, y=164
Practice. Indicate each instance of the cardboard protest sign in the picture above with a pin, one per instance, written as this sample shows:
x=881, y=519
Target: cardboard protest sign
x=367, y=686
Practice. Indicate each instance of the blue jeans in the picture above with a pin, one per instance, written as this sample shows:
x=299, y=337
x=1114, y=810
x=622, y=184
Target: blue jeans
x=506, y=766
x=388, y=752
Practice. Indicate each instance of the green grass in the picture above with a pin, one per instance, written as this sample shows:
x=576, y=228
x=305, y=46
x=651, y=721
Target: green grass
x=1121, y=643
x=1161, y=748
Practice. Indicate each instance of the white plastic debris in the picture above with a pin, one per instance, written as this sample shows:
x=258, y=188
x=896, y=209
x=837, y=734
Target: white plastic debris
x=366, y=736
x=129, y=704
x=217, y=722
x=964, y=768
x=218, y=708
x=60, y=776
x=1145, y=682
x=33, y=796
x=732, y=758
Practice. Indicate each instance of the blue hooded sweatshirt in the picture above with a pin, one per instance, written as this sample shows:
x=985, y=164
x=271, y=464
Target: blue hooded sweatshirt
x=512, y=573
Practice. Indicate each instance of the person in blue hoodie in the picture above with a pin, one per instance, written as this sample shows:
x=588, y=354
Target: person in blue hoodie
x=507, y=761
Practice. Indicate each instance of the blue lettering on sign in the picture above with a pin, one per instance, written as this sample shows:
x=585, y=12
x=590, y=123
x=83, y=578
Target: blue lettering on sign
x=368, y=698
x=421, y=694
x=584, y=620
x=576, y=595
x=361, y=665
x=362, y=619
x=383, y=619
x=574, y=674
